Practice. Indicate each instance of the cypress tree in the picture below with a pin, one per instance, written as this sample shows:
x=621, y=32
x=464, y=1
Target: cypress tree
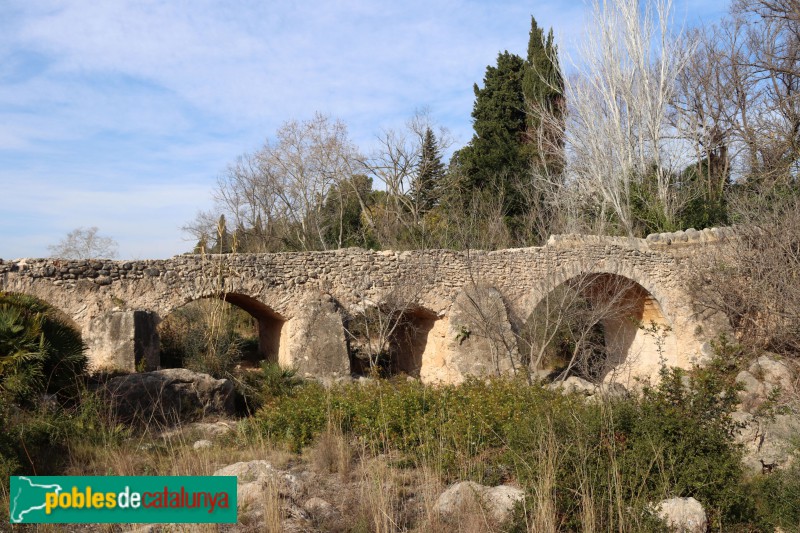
x=426, y=189
x=543, y=93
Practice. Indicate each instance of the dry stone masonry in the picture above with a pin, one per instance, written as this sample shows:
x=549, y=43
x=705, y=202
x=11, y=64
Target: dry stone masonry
x=461, y=310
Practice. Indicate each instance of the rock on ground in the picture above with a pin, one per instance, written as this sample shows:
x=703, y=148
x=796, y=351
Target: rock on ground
x=768, y=443
x=169, y=396
x=499, y=501
x=256, y=477
x=683, y=515
x=574, y=384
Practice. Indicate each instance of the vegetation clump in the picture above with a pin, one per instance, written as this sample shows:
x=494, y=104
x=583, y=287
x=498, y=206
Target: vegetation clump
x=609, y=458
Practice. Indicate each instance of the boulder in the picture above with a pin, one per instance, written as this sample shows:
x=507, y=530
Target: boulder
x=458, y=496
x=319, y=508
x=768, y=443
x=753, y=391
x=255, y=478
x=202, y=444
x=773, y=373
x=499, y=500
x=169, y=396
x=683, y=515
x=574, y=384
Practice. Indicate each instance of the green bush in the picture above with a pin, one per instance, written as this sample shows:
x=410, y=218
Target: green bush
x=777, y=499
x=39, y=353
x=675, y=439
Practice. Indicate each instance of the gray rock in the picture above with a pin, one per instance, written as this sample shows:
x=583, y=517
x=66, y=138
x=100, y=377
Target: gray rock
x=499, y=500
x=772, y=372
x=574, y=384
x=767, y=441
x=169, y=396
x=753, y=393
x=255, y=478
x=202, y=444
x=319, y=508
x=458, y=496
x=613, y=390
x=683, y=515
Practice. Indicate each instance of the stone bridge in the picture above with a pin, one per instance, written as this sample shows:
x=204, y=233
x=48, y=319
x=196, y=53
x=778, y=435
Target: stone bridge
x=445, y=314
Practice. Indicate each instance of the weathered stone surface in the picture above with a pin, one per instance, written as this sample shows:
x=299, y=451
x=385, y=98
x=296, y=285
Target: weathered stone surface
x=169, y=396
x=254, y=478
x=499, y=500
x=769, y=443
x=574, y=384
x=275, y=289
x=319, y=509
x=753, y=393
x=202, y=444
x=683, y=515
x=479, y=340
x=773, y=373
x=457, y=496
x=314, y=342
x=123, y=340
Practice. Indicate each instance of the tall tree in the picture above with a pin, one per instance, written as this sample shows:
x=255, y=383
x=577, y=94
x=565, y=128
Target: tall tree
x=426, y=188
x=543, y=93
x=499, y=123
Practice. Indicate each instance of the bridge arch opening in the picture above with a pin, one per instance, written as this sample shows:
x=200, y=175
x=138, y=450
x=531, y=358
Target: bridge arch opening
x=600, y=327
x=389, y=342
x=229, y=329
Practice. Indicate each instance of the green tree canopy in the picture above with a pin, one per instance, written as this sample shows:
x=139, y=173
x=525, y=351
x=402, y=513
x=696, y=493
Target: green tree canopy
x=499, y=123
x=543, y=93
x=427, y=184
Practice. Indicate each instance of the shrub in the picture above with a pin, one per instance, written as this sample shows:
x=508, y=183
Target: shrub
x=39, y=353
x=606, y=461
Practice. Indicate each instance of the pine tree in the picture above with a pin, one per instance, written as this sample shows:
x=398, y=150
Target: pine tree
x=543, y=93
x=426, y=189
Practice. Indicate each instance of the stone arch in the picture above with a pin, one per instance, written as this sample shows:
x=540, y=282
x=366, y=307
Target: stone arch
x=574, y=270
x=409, y=342
x=60, y=312
x=399, y=338
x=269, y=322
x=637, y=328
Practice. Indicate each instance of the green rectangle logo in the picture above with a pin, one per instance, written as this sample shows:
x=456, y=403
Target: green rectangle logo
x=122, y=499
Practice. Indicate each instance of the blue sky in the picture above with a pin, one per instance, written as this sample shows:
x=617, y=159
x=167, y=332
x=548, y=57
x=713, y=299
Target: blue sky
x=122, y=114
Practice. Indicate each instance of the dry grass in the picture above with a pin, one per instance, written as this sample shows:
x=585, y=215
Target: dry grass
x=332, y=453
x=172, y=455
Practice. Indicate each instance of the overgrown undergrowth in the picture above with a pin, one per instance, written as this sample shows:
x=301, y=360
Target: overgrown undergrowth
x=587, y=465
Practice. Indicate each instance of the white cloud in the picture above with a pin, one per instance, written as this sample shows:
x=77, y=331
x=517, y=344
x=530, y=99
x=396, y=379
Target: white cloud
x=120, y=114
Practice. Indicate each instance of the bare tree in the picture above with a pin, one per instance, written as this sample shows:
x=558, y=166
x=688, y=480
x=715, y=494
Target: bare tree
x=394, y=164
x=754, y=278
x=84, y=243
x=617, y=106
x=387, y=333
x=278, y=197
x=738, y=101
x=772, y=61
x=581, y=326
